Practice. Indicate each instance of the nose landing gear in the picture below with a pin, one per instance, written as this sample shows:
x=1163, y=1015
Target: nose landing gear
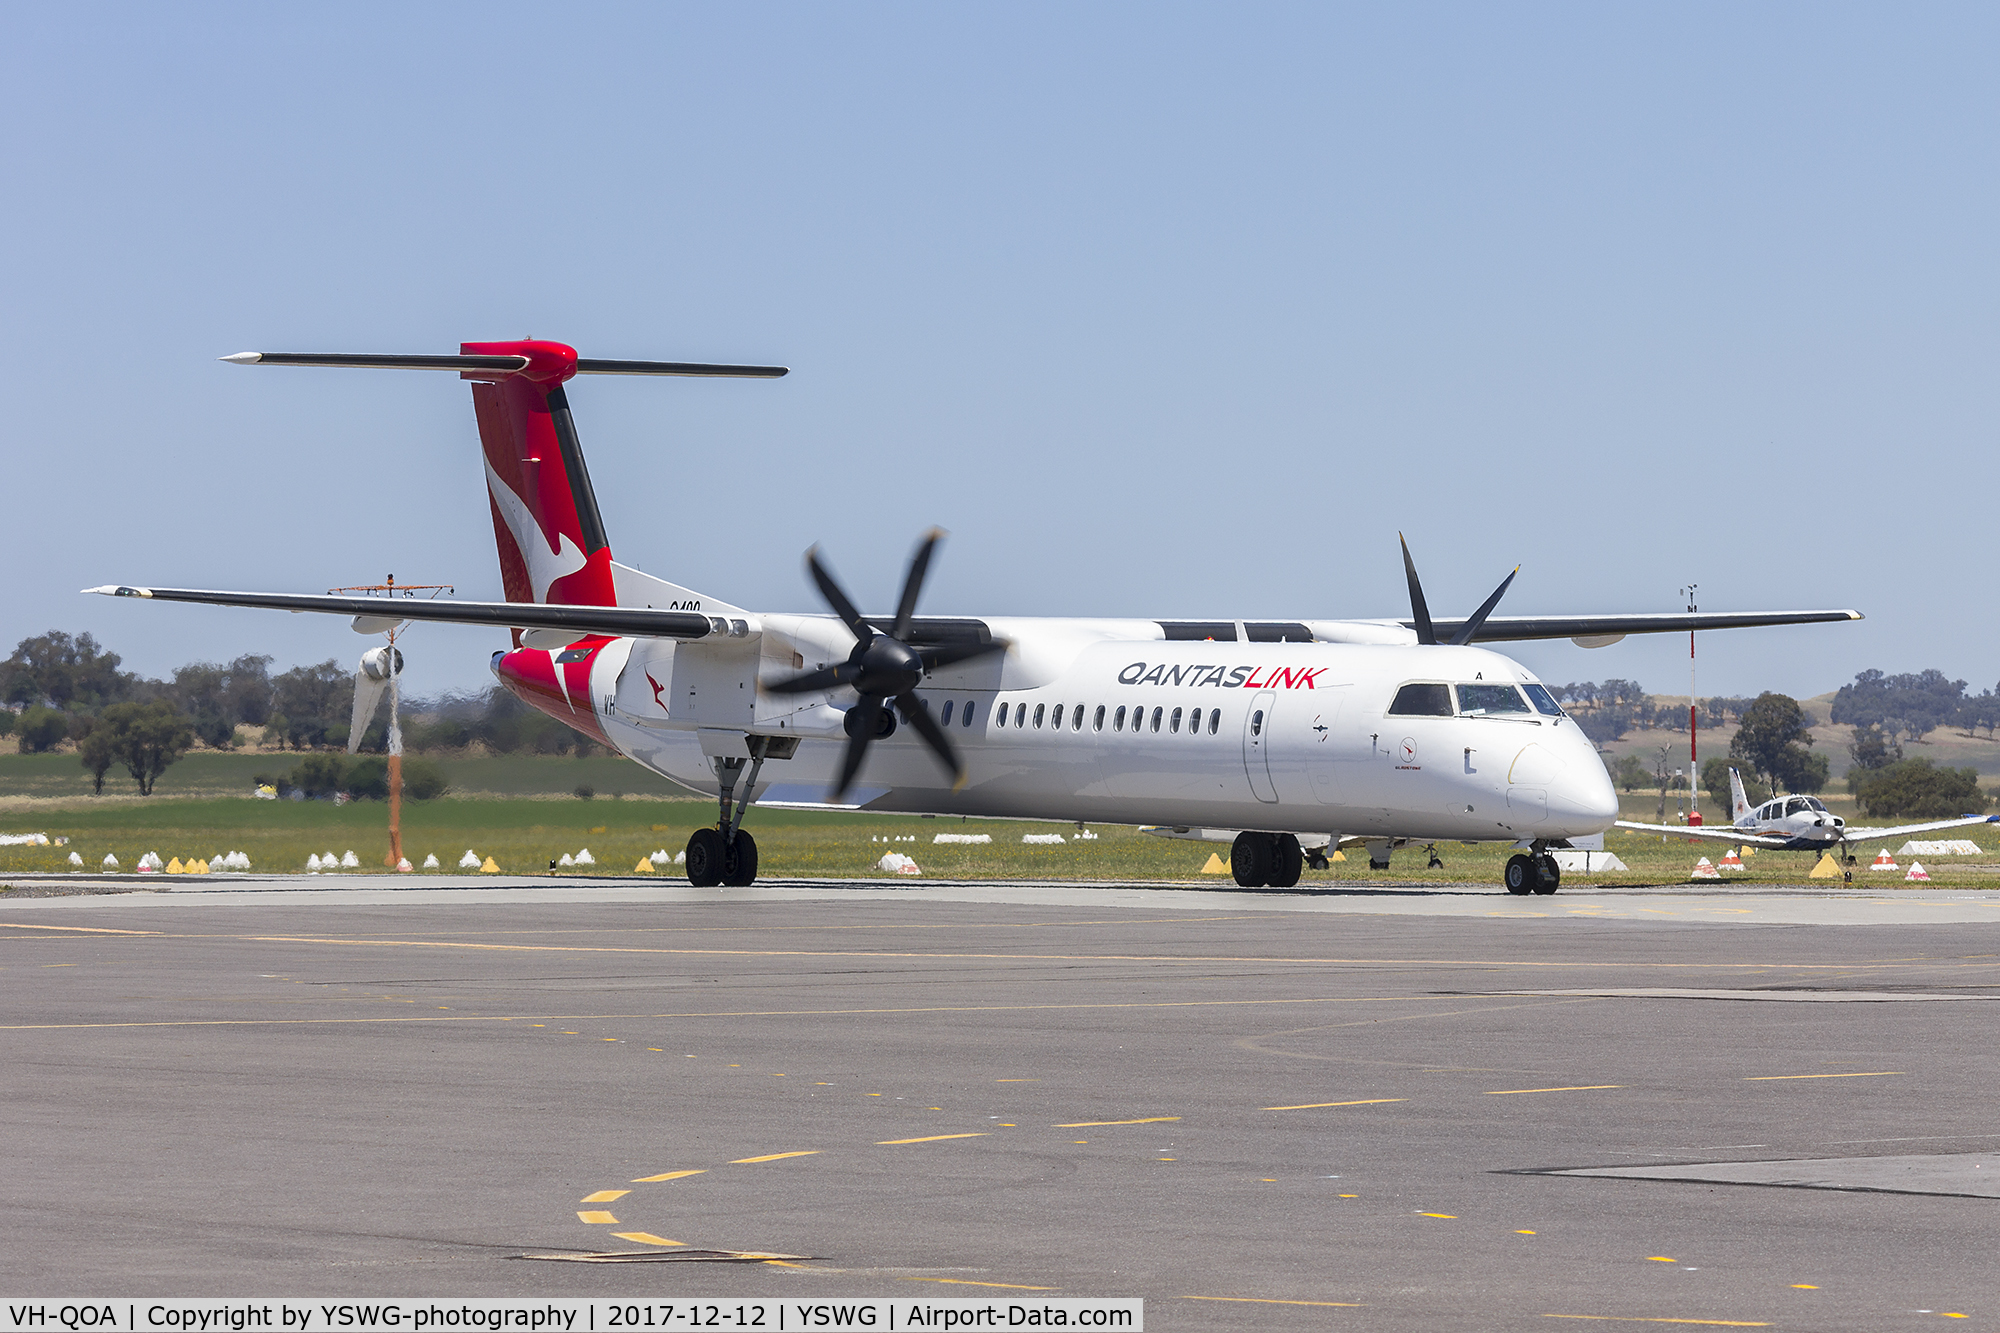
x=1532, y=874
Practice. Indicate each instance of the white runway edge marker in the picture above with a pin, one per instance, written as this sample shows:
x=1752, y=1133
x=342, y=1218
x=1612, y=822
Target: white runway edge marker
x=963, y=837
x=1023, y=1306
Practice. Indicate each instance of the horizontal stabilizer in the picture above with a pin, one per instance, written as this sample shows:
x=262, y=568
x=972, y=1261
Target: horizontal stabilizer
x=577, y=621
x=503, y=365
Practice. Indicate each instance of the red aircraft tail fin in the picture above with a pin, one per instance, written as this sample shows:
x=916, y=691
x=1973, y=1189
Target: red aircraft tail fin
x=545, y=517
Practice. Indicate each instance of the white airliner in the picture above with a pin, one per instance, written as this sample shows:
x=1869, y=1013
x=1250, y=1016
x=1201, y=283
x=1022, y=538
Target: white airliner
x=1296, y=734
x=1796, y=824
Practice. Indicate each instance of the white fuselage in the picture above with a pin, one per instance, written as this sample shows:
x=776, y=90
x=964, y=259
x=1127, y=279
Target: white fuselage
x=1802, y=819
x=1097, y=721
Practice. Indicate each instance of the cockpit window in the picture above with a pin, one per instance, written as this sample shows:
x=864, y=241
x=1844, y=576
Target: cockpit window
x=1544, y=702
x=1813, y=805
x=1796, y=804
x=1422, y=701
x=1490, y=699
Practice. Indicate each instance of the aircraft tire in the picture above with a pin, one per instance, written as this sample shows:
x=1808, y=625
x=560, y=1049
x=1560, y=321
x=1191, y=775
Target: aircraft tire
x=1520, y=875
x=1288, y=861
x=740, y=862
x=1250, y=860
x=1548, y=875
x=706, y=858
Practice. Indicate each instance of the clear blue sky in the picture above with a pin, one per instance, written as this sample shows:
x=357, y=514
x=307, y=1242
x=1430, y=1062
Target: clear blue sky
x=1161, y=310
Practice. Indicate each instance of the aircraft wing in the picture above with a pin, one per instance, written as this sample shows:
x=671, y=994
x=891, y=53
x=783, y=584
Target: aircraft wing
x=617, y=621
x=1718, y=832
x=1608, y=629
x=1870, y=834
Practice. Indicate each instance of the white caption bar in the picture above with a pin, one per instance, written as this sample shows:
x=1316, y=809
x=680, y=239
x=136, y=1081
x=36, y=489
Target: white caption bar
x=430, y=1315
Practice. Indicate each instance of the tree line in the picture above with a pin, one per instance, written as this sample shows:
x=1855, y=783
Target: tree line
x=57, y=688
x=1771, y=749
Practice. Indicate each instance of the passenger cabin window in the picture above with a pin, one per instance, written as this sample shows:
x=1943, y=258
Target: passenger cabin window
x=1544, y=702
x=1257, y=721
x=1038, y=715
x=1097, y=719
x=970, y=704
x=1000, y=718
x=1076, y=718
x=1489, y=700
x=1214, y=721
x=1174, y=723
x=1118, y=719
x=1156, y=719
x=1420, y=701
x=944, y=718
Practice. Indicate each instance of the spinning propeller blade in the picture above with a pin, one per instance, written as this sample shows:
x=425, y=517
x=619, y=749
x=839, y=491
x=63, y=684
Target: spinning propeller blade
x=1471, y=627
x=883, y=667
x=1420, y=611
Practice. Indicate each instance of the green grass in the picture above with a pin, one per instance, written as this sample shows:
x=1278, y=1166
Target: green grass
x=520, y=810
x=524, y=835
x=208, y=773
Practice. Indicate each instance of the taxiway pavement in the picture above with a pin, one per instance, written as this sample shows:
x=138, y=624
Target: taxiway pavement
x=1351, y=1110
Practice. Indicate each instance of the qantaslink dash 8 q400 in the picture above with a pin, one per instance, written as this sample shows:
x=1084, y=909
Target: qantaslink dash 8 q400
x=1284, y=738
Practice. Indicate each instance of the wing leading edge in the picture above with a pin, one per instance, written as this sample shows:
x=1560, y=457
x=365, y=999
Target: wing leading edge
x=1609, y=629
x=1716, y=833
x=618, y=621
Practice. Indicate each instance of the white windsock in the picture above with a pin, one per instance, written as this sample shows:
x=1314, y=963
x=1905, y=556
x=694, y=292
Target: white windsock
x=371, y=682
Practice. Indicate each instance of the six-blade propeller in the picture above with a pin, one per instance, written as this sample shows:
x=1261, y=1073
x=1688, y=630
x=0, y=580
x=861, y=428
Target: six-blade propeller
x=884, y=668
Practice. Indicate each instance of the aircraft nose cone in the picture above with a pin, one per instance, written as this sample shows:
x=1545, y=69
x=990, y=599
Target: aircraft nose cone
x=1583, y=797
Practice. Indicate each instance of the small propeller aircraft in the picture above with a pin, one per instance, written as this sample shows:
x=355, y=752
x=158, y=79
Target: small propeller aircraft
x=1796, y=824
x=1285, y=735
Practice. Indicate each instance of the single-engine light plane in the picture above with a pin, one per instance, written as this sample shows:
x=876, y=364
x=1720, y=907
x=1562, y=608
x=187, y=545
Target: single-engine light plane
x=1796, y=824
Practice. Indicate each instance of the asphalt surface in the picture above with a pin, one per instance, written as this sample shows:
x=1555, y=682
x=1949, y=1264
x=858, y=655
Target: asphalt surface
x=1347, y=1110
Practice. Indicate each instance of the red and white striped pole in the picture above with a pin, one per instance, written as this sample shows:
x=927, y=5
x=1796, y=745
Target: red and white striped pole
x=1694, y=767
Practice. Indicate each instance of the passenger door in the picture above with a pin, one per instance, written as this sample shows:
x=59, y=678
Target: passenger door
x=1257, y=746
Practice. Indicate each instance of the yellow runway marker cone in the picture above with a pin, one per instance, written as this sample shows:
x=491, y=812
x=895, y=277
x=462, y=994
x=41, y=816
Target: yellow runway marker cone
x=490, y=867
x=174, y=866
x=1825, y=867
x=1214, y=866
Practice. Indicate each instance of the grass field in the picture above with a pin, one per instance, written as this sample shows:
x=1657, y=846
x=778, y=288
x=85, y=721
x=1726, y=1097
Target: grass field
x=523, y=835
x=210, y=773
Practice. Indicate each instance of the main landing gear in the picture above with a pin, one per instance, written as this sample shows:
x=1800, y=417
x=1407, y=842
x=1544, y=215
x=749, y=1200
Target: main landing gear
x=1533, y=874
x=1266, y=860
x=726, y=854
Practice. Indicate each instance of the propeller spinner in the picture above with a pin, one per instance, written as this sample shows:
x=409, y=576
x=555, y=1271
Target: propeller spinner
x=884, y=668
